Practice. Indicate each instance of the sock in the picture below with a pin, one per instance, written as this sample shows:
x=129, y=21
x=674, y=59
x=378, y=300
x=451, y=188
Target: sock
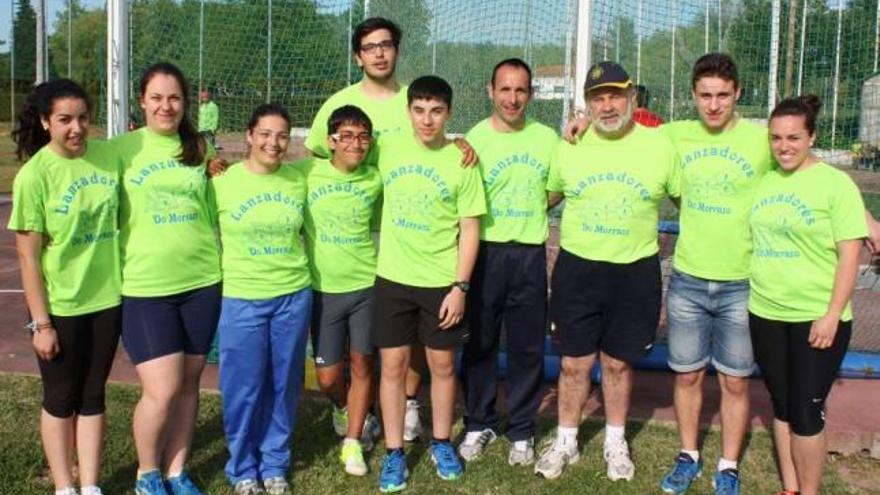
x=173, y=475
x=614, y=433
x=567, y=436
x=726, y=464
x=66, y=491
x=140, y=473
x=90, y=490
x=695, y=454
x=440, y=440
x=391, y=451
x=347, y=441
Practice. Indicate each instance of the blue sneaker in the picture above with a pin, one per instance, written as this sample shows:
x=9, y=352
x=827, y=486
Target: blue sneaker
x=150, y=483
x=447, y=461
x=726, y=482
x=394, y=473
x=182, y=485
x=683, y=473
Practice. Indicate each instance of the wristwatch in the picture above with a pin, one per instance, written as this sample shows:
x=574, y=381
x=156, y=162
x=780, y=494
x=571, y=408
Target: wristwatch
x=36, y=326
x=462, y=285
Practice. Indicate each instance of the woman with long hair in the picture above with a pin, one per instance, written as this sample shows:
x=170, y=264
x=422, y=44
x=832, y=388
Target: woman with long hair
x=64, y=214
x=807, y=224
x=170, y=276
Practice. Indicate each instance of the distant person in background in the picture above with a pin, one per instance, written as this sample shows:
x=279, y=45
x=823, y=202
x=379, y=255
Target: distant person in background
x=64, y=214
x=642, y=115
x=806, y=219
x=209, y=117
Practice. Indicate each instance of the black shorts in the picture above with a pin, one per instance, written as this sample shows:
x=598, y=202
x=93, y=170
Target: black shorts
x=608, y=307
x=407, y=315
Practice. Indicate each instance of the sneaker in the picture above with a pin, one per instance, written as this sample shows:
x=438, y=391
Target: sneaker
x=726, y=482
x=70, y=491
x=182, y=485
x=340, y=421
x=522, y=452
x=87, y=490
x=619, y=465
x=448, y=464
x=394, y=473
x=412, y=425
x=554, y=458
x=474, y=443
x=372, y=430
x=277, y=485
x=150, y=483
x=248, y=487
x=353, y=457
x=682, y=474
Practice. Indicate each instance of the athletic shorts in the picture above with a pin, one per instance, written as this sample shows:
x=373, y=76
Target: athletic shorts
x=153, y=327
x=608, y=307
x=407, y=315
x=341, y=323
x=73, y=381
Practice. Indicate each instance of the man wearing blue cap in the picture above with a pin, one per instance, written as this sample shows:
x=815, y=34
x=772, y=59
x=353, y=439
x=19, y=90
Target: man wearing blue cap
x=606, y=287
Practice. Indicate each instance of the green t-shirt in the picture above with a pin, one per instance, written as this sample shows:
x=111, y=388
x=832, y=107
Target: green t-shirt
x=166, y=229
x=260, y=217
x=389, y=115
x=613, y=190
x=796, y=221
x=209, y=116
x=514, y=166
x=719, y=175
x=74, y=203
x=340, y=209
x=426, y=192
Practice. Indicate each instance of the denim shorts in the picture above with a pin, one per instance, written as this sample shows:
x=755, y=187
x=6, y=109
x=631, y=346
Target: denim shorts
x=708, y=320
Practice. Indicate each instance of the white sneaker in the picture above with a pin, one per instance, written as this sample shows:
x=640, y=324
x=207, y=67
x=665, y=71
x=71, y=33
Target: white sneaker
x=620, y=466
x=522, y=452
x=88, y=490
x=248, y=487
x=277, y=485
x=412, y=425
x=474, y=442
x=554, y=458
x=67, y=491
x=372, y=430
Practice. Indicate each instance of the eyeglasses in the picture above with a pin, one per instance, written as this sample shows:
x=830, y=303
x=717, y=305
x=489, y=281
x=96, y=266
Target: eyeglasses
x=350, y=137
x=372, y=48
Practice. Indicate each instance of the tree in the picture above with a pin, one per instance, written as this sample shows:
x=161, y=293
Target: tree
x=24, y=29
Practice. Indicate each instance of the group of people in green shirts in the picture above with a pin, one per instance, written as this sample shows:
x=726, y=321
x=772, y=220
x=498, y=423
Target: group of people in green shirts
x=132, y=237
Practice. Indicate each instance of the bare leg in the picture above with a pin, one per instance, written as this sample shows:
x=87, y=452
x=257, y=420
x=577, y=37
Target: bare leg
x=89, y=447
x=331, y=380
x=782, y=439
x=161, y=381
x=688, y=398
x=183, y=424
x=617, y=379
x=442, y=365
x=359, y=393
x=57, y=435
x=392, y=393
x=574, y=387
x=734, y=414
x=417, y=367
x=808, y=454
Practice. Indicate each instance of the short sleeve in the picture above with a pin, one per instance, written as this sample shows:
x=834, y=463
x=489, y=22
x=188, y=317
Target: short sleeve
x=471, y=200
x=847, y=212
x=554, y=179
x=211, y=200
x=316, y=141
x=28, y=206
x=673, y=184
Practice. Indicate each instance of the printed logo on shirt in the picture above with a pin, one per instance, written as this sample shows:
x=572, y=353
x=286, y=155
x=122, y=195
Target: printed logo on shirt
x=274, y=237
x=80, y=183
x=347, y=226
x=610, y=202
x=97, y=224
x=776, y=217
x=413, y=204
x=706, y=190
x=522, y=200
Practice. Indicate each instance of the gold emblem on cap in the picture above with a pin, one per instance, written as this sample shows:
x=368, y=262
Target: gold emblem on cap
x=596, y=73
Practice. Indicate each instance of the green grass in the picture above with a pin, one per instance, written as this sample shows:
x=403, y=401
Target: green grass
x=316, y=469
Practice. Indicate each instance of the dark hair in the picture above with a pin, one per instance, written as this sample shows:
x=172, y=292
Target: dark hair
x=267, y=109
x=429, y=88
x=370, y=25
x=513, y=62
x=193, y=146
x=715, y=65
x=806, y=106
x=348, y=114
x=643, y=96
x=29, y=135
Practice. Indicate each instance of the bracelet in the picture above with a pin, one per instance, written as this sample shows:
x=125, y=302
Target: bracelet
x=36, y=326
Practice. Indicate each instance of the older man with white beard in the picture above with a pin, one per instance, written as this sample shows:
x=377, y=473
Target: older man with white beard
x=606, y=286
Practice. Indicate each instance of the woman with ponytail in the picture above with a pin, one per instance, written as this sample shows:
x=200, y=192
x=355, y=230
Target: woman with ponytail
x=807, y=224
x=64, y=214
x=170, y=276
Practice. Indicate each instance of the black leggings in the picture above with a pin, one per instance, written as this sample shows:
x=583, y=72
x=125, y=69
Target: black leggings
x=73, y=381
x=798, y=376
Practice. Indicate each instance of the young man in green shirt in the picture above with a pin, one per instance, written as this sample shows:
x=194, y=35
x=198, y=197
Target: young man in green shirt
x=509, y=285
x=606, y=288
x=209, y=117
x=428, y=246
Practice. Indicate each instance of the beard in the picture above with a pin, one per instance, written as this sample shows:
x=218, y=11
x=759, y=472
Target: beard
x=622, y=122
